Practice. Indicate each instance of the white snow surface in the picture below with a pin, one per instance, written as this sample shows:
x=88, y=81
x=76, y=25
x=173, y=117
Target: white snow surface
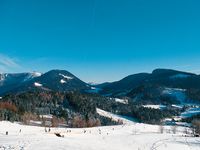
x=177, y=106
x=62, y=81
x=3, y=76
x=37, y=84
x=125, y=120
x=155, y=106
x=36, y=74
x=32, y=75
x=123, y=101
x=46, y=116
x=66, y=77
x=93, y=89
x=123, y=137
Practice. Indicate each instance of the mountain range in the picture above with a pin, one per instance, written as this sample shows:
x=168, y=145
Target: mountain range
x=141, y=85
x=159, y=77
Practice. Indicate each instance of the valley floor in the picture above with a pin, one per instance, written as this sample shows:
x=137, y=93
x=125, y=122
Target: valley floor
x=133, y=136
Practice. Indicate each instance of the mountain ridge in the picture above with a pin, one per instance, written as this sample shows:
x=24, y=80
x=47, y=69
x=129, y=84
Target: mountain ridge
x=58, y=80
x=62, y=80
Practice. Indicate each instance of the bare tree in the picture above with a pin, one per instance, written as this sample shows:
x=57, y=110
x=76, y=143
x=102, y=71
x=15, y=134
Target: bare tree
x=196, y=127
x=174, y=129
x=186, y=130
x=54, y=121
x=161, y=129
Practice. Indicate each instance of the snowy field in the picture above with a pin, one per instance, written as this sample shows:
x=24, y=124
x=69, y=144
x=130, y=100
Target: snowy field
x=129, y=136
x=123, y=137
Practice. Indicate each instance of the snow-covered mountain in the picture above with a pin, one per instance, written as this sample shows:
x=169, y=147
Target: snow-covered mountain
x=160, y=84
x=162, y=77
x=9, y=81
x=58, y=80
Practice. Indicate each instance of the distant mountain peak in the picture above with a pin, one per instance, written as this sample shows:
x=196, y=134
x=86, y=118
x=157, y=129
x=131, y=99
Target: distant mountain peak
x=62, y=80
x=158, y=78
x=36, y=74
x=55, y=80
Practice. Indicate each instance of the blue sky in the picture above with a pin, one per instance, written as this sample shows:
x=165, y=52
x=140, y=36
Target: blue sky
x=99, y=40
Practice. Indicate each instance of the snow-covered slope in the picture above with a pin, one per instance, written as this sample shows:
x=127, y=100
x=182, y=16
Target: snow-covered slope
x=37, y=84
x=10, y=81
x=62, y=81
x=65, y=76
x=191, y=112
x=123, y=137
x=125, y=120
x=123, y=101
x=57, y=80
x=155, y=106
x=179, y=94
x=36, y=74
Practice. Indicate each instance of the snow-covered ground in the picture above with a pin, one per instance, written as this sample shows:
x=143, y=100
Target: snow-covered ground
x=37, y=84
x=36, y=74
x=124, y=119
x=66, y=77
x=191, y=112
x=123, y=101
x=94, y=90
x=123, y=137
x=129, y=136
x=155, y=106
x=62, y=81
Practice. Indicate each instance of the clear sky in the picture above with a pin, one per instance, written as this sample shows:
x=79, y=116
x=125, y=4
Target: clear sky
x=99, y=40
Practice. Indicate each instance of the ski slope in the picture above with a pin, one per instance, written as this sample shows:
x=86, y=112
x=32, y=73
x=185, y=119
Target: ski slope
x=124, y=119
x=129, y=136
